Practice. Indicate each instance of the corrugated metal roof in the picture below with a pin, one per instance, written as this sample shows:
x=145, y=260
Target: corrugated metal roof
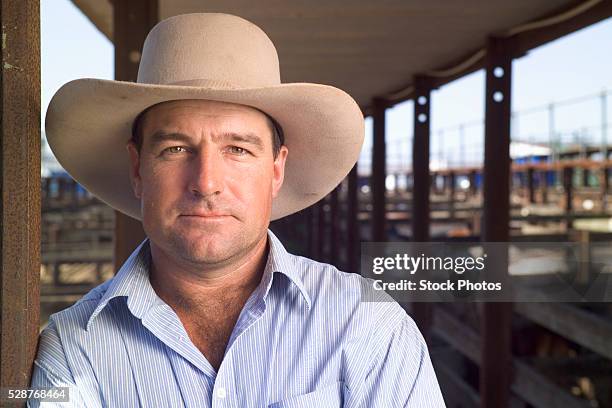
x=368, y=48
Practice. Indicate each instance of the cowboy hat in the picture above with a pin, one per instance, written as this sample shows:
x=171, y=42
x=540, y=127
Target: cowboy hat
x=217, y=57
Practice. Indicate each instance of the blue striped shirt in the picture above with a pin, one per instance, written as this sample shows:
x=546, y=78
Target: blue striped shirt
x=308, y=336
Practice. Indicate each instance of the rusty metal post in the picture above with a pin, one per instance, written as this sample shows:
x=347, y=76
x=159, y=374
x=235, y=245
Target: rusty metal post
x=451, y=192
x=605, y=187
x=433, y=182
x=604, y=124
x=420, y=160
x=422, y=312
x=496, y=318
x=544, y=186
x=352, y=222
x=20, y=186
x=473, y=187
x=531, y=185
x=132, y=21
x=586, y=177
x=568, y=186
x=310, y=230
x=314, y=231
x=379, y=173
x=333, y=226
x=321, y=229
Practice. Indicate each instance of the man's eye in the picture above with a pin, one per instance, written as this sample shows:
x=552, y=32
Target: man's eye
x=174, y=149
x=238, y=150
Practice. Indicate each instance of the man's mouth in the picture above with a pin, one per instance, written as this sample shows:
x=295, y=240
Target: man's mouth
x=206, y=216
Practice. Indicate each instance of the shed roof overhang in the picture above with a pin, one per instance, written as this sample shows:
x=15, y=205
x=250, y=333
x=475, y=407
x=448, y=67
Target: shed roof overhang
x=375, y=49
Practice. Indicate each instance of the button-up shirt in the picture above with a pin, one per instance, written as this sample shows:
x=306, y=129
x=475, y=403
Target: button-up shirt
x=308, y=336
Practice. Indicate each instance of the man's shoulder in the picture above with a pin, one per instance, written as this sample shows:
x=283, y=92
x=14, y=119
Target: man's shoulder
x=324, y=275
x=78, y=314
x=327, y=285
x=316, y=271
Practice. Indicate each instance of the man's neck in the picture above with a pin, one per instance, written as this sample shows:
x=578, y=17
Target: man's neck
x=187, y=289
x=208, y=301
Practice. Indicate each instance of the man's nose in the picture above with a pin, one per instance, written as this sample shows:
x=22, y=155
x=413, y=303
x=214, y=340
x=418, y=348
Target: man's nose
x=207, y=177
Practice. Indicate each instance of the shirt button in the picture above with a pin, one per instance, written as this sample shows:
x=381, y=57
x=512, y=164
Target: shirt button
x=221, y=393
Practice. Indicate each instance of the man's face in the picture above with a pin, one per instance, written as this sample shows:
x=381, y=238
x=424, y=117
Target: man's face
x=206, y=177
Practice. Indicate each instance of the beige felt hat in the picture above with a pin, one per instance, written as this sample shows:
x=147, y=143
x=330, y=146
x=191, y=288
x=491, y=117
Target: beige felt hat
x=205, y=56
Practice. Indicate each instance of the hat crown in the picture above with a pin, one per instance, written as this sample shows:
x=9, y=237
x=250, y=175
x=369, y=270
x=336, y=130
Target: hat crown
x=222, y=50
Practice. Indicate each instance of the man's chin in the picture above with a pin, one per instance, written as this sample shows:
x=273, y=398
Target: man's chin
x=209, y=247
x=205, y=253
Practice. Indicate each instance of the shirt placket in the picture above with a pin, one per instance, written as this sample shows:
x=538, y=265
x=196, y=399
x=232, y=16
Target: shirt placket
x=225, y=391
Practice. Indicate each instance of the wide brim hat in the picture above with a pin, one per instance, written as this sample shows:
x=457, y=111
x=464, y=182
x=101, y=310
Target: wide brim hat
x=209, y=56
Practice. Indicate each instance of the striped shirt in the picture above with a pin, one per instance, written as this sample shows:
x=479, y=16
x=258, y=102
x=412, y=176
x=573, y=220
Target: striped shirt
x=308, y=336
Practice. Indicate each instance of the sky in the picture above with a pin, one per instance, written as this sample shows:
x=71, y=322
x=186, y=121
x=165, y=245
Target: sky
x=575, y=66
x=71, y=48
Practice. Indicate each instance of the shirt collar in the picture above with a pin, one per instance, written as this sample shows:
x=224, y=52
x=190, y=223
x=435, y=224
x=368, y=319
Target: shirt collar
x=132, y=279
x=281, y=261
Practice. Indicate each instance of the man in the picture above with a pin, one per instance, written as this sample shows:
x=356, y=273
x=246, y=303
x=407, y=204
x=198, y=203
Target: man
x=210, y=310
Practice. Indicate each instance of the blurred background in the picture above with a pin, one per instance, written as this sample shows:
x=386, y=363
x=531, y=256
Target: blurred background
x=485, y=120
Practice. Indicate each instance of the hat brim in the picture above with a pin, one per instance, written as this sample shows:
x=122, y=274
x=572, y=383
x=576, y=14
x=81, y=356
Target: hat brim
x=89, y=122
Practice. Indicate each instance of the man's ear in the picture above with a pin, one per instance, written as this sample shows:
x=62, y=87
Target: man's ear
x=279, y=170
x=135, y=179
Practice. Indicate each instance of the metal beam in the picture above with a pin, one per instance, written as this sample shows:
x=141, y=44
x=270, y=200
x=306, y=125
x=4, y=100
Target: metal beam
x=531, y=185
x=422, y=312
x=452, y=182
x=521, y=43
x=472, y=179
x=379, y=173
x=543, y=181
x=20, y=186
x=312, y=230
x=605, y=187
x=352, y=224
x=568, y=186
x=334, y=233
x=321, y=233
x=420, y=161
x=496, y=318
x=528, y=40
x=132, y=21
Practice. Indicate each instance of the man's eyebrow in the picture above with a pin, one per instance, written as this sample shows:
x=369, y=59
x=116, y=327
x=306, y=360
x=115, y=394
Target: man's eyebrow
x=250, y=138
x=160, y=136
